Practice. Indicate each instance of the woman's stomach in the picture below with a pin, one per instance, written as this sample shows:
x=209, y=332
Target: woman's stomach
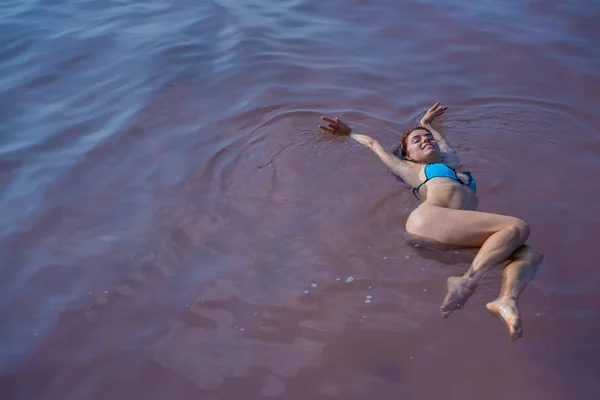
x=448, y=193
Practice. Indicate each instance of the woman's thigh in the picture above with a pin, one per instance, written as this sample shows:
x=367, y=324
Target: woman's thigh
x=460, y=228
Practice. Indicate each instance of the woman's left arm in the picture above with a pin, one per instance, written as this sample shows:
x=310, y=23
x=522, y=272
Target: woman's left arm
x=449, y=155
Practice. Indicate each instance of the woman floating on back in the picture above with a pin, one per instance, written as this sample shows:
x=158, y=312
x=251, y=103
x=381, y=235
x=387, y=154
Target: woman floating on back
x=446, y=216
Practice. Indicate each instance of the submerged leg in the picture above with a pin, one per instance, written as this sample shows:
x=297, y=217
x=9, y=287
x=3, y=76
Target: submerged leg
x=515, y=277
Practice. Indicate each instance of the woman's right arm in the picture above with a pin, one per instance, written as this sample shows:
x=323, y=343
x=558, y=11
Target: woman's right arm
x=406, y=170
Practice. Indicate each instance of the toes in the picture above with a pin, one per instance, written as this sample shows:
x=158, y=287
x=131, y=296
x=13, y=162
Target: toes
x=451, y=305
x=448, y=308
x=515, y=335
x=445, y=309
x=515, y=330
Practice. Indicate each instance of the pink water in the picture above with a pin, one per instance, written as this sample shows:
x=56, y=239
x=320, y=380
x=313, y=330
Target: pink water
x=167, y=198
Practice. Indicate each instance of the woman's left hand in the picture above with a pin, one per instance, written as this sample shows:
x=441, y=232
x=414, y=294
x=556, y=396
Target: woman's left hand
x=433, y=113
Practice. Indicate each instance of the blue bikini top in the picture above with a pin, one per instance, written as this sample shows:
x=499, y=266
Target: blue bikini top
x=439, y=170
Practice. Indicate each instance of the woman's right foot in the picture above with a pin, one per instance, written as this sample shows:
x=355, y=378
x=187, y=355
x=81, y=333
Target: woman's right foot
x=459, y=291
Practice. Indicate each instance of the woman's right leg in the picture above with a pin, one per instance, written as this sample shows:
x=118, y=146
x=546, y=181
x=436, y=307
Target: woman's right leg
x=498, y=236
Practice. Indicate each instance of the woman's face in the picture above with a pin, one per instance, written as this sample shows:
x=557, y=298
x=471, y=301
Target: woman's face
x=421, y=147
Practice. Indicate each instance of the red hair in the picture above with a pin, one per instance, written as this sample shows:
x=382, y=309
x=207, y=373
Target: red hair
x=400, y=151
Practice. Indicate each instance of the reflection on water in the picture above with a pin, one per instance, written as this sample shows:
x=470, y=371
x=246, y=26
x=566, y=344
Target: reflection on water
x=167, y=200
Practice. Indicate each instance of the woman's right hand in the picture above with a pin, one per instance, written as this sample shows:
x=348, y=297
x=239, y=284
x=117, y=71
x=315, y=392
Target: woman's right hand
x=337, y=126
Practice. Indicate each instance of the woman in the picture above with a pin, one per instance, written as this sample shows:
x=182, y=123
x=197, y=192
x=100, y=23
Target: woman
x=446, y=216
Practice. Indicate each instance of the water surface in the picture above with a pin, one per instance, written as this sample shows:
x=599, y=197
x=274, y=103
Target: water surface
x=166, y=198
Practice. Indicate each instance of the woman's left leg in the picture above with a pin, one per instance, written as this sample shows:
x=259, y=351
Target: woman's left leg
x=516, y=275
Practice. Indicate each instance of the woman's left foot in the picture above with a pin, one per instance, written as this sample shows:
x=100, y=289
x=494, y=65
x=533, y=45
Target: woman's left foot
x=506, y=310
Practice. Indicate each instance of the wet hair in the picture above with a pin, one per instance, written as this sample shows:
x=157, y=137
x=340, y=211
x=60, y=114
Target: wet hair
x=400, y=150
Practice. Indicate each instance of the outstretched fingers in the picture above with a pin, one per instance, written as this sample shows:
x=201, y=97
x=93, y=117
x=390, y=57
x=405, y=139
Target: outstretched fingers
x=436, y=110
x=331, y=125
x=336, y=126
x=435, y=106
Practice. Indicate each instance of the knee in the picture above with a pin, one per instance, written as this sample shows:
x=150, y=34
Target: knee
x=537, y=256
x=530, y=254
x=520, y=230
